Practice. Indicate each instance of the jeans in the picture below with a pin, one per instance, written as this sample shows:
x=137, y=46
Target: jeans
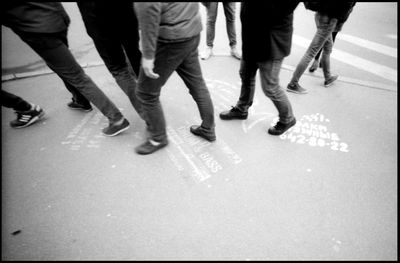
x=322, y=39
x=181, y=57
x=212, y=11
x=13, y=101
x=269, y=76
x=53, y=49
x=119, y=48
x=333, y=41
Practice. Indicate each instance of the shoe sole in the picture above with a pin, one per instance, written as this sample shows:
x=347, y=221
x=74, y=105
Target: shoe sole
x=284, y=131
x=155, y=149
x=34, y=119
x=204, y=137
x=297, y=92
x=233, y=118
x=116, y=133
x=86, y=110
x=329, y=84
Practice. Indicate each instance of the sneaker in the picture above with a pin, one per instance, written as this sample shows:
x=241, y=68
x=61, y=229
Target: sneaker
x=115, y=129
x=330, y=80
x=26, y=118
x=207, y=53
x=77, y=106
x=235, y=53
x=208, y=134
x=296, y=88
x=234, y=113
x=314, y=66
x=150, y=146
x=280, y=127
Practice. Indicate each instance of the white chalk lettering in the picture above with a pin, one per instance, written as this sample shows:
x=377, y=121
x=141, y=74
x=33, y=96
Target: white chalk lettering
x=308, y=131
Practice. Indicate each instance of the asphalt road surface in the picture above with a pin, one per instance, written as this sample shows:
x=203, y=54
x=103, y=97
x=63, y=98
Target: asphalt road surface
x=324, y=190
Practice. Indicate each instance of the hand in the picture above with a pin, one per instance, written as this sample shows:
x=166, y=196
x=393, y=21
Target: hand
x=148, y=65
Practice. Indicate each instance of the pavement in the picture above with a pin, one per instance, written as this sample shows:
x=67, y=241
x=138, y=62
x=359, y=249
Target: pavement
x=326, y=189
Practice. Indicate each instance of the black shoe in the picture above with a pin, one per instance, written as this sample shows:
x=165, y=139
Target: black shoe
x=26, y=118
x=280, y=127
x=115, y=129
x=207, y=134
x=234, y=113
x=150, y=146
x=77, y=106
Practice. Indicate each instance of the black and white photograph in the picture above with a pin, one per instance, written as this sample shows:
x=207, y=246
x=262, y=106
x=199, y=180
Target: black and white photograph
x=199, y=131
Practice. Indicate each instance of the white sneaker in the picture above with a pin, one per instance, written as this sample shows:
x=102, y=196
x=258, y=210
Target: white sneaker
x=207, y=53
x=235, y=53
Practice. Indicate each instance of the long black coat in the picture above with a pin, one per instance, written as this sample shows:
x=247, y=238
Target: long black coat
x=267, y=29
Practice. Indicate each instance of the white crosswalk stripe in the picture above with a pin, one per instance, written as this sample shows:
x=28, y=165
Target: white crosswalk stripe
x=369, y=45
x=363, y=64
x=391, y=36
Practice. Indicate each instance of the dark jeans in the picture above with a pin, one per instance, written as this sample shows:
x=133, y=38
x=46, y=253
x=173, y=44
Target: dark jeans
x=269, y=76
x=181, y=57
x=13, y=101
x=53, y=49
x=212, y=11
x=115, y=42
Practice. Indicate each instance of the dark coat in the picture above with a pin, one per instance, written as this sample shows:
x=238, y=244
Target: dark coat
x=336, y=9
x=34, y=17
x=116, y=19
x=267, y=29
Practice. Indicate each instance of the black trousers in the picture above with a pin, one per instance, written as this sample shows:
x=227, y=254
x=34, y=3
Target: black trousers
x=113, y=26
x=10, y=100
x=114, y=30
x=53, y=49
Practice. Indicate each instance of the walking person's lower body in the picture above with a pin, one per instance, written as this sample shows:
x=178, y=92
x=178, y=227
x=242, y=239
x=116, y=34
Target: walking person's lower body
x=269, y=76
x=230, y=13
x=117, y=46
x=115, y=59
x=181, y=57
x=53, y=49
x=322, y=39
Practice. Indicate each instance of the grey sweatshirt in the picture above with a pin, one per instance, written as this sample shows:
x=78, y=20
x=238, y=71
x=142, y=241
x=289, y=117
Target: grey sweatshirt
x=166, y=22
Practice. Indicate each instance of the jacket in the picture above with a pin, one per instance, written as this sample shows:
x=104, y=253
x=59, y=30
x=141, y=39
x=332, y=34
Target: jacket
x=115, y=19
x=166, y=22
x=267, y=29
x=336, y=9
x=34, y=17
